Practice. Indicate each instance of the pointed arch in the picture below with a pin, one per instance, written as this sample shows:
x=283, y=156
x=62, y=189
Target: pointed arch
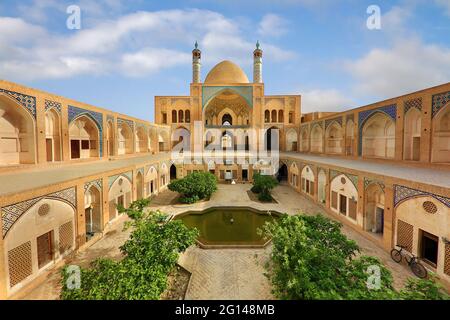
x=334, y=138
x=291, y=140
x=124, y=138
x=316, y=144
x=378, y=136
x=18, y=136
x=84, y=135
x=53, y=135
x=441, y=136
x=374, y=209
x=412, y=134
x=141, y=140
x=349, y=137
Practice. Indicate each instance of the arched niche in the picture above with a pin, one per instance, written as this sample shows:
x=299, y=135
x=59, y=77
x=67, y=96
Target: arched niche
x=304, y=139
x=141, y=140
x=294, y=175
x=374, y=209
x=151, y=181
x=344, y=197
x=316, y=139
x=120, y=193
x=321, y=190
x=412, y=134
x=349, y=137
x=93, y=211
x=17, y=133
x=84, y=138
x=139, y=186
x=334, y=139
x=378, y=137
x=125, y=139
x=227, y=101
x=52, y=135
x=308, y=181
x=441, y=136
x=291, y=140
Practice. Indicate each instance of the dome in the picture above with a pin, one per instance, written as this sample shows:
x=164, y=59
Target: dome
x=226, y=72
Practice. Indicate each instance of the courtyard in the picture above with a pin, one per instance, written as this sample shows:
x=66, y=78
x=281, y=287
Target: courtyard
x=228, y=274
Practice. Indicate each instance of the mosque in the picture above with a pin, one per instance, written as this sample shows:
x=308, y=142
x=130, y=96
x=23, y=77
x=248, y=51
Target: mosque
x=382, y=169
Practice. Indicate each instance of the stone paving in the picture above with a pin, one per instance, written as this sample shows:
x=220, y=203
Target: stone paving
x=224, y=273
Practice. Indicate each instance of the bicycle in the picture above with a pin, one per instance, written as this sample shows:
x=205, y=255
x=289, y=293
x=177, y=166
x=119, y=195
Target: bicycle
x=416, y=267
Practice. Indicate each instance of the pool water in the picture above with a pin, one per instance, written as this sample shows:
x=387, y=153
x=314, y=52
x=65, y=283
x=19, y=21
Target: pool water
x=229, y=226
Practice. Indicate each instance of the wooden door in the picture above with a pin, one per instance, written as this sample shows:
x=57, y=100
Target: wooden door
x=45, y=249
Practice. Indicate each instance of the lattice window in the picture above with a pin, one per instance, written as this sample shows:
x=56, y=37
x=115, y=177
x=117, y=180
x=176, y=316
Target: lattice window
x=65, y=237
x=19, y=261
x=447, y=259
x=405, y=235
x=429, y=207
x=334, y=199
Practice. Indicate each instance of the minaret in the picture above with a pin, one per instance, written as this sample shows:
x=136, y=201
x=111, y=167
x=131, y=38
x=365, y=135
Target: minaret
x=257, y=64
x=196, y=65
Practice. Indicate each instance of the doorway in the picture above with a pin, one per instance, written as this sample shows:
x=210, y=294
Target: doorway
x=342, y=204
x=429, y=247
x=244, y=174
x=49, y=149
x=173, y=172
x=416, y=148
x=75, y=149
x=45, y=249
x=379, y=220
x=120, y=202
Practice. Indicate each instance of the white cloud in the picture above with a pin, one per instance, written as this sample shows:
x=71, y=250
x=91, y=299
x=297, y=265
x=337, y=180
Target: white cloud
x=139, y=43
x=408, y=66
x=328, y=100
x=149, y=61
x=272, y=25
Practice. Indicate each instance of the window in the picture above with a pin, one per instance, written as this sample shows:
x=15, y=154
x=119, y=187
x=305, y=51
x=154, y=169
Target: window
x=280, y=116
x=266, y=116
x=187, y=116
x=164, y=118
x=174, y=116
x=180, y=116
x=291, y=117
x=85, y=144
x=342, y=204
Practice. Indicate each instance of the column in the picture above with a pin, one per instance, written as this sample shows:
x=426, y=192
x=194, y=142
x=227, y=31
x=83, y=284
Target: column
x=81, y=219
x=426, y=139
x=389, y=217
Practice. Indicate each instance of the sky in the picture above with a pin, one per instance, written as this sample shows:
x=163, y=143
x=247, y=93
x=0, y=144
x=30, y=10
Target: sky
x=128, y=51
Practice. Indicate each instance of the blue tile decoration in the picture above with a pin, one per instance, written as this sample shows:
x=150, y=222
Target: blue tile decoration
x=351, y=177
x=26, y=101
x=97, y=117
x=130, y=123
x=368, y=182
x=53, y=105
x=142, y=125
x=12, y=213
x=110, y=118
x=330, y=121
x=413, y=103
x=127, y=175
x=402, y=193
x=439, y=101
x=363, y=116
x=209, y=92
x=98, y=183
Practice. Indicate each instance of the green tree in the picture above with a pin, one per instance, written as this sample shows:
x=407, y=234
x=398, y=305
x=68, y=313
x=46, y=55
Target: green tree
x=312, y=259
x=195, y=186
x=149, y=256
x=263, y=185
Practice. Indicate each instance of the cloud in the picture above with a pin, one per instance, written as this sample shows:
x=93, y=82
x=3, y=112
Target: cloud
x=272, y=25
x=139, y=43
x=408, y=66
x=324, y=100
x=149, y=60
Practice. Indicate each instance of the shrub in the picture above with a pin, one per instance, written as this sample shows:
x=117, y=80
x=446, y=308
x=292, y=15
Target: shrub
x=150, y=254
x=195, y=186
x=423, y=289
